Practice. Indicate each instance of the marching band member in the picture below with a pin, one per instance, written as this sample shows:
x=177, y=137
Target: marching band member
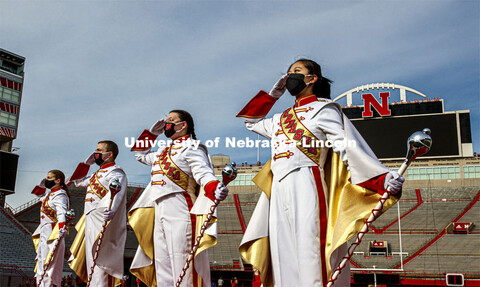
x=163, y=218
x=108, y=270
x=52, y=227
x=315, y=197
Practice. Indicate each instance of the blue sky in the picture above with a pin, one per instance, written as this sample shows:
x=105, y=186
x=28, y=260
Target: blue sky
x=108, y=69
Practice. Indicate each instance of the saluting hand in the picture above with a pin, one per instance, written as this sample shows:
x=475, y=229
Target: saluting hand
x=158, y=127
x=90, y=159
x=279, y=87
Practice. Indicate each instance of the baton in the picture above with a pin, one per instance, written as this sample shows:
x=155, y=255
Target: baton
x=115, y=187
x=229, y=173
x=69, y=216
x=418, y=144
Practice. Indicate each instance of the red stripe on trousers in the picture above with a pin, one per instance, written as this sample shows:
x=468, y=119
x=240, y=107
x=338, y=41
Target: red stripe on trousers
x=322, y=210
x=193, y=220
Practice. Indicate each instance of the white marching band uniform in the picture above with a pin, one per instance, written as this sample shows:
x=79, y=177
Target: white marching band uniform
x=52, y=211
x=109, y=265
x=165, y=219
x=293, y=218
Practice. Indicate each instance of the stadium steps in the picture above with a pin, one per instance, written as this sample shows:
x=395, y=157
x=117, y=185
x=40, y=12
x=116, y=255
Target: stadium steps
x=17, y=253
x=26, y=206
x=406, y=203
x=443, y=232
x=412, y=209
x=225, y=254
x=458, y=202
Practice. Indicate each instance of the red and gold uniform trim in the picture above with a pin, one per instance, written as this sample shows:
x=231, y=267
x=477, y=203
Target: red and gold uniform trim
x=258, y=107
x=160, y=182
x=171, y=170
x=157, y=171
x=46, y=209
x=295, y=131
x=96, y=187
x=286, y=154
x=305, y=100
x=146, y=137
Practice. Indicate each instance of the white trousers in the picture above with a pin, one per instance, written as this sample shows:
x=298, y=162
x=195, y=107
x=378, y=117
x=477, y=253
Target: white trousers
x=295, y=230
x=53, y=276
x=172, y=239
x=93, y=226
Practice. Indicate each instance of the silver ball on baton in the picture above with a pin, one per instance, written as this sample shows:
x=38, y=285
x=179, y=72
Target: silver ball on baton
x=229, y=173
x=418, y=144
x=70, y=215
x=115, y=185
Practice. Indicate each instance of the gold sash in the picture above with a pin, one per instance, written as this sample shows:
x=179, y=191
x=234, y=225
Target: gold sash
x=96, y=187
x=295, y=131
x=47, y=210
x=171, y=170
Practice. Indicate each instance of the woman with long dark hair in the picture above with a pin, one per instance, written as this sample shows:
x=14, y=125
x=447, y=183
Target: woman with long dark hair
x=163, y=217
x=313, y=187
x=55, y=203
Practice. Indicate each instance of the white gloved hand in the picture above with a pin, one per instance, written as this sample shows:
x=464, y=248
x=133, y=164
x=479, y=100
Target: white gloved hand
x=394, y=182
x=42, y=183
x=90, y=159
x=158, y=127
x=108, y=214
x=62, y=232
x=221, y=192
x=279, y=87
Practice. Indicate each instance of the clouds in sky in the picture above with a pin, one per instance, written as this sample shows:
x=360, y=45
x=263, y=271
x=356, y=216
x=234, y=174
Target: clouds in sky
x=108, y=69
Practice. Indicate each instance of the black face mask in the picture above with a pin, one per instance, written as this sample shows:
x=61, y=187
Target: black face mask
x=98, y=158
x=170, y=129
x=295, y=83
x=49, y=183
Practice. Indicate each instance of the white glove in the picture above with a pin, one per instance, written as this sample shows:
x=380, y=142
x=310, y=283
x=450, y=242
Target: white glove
x=108, y=214
x=158, y=127
x=221, y=192
x=42, y=183
x=62, y=232
x=90, y=160
x=279, y=87
x=393, y=181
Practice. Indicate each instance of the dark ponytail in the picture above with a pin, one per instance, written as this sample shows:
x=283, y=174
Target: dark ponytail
x=321, y=88
x=185, y=116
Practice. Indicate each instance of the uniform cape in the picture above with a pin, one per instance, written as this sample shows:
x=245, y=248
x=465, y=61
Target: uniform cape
x=50, y=242
x=141, y=218
x=108, y=256
x=349, y=205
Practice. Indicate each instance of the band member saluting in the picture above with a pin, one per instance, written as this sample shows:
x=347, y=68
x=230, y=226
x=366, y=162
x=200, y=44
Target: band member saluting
x=164, y=218
x=314, y=198
x=107, y=257
x=52, y=227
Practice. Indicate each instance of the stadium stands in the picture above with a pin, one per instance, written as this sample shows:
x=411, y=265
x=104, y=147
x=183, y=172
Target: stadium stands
x=17, y=253
x=425, y=244
x=425, y=215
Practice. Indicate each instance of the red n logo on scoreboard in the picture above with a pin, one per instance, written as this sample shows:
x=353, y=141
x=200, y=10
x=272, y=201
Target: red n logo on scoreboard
x=369, y=101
